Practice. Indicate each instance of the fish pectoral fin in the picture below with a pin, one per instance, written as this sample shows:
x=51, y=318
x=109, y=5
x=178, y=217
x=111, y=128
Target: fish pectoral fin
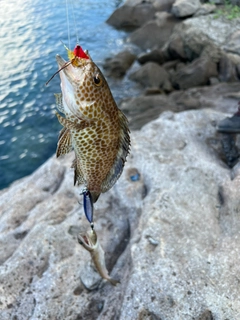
x=59, y=103
x=64, y=145
x=82, y=124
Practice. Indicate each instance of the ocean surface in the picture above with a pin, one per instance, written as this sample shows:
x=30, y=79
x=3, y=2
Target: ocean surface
x=30, y=37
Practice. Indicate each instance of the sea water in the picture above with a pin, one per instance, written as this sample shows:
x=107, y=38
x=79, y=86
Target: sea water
x=31, y=32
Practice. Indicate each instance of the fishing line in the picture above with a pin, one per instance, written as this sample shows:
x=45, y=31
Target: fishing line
x=68, y=24
x=74, y=22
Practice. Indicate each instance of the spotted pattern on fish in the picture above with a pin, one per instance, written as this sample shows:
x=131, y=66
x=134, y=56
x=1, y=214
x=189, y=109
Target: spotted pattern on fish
x=93, y=126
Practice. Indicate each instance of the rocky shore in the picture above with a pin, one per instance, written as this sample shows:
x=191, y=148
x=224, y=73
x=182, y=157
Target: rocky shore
x=170, y=226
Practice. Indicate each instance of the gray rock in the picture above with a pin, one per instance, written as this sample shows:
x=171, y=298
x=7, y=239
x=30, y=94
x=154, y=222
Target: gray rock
x=222, y=97
x=128, y=16
x=155, y=55
x=185, y=8
x=151, y=74
x=118, y=65
x=175, y=190
x=203, y=32
x=233, y=43
x=227, y=69
x=155, y=33
x=197, y=73
x=205, y=9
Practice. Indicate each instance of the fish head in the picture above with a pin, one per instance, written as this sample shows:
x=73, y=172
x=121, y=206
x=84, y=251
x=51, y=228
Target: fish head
x=82, y=82
x=89, y=240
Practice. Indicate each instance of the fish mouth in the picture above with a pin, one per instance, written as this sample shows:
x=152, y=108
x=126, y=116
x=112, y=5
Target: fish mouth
x=89, y=240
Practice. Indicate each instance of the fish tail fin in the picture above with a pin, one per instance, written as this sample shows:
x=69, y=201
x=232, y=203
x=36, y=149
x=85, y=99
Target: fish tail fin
x=113, y=282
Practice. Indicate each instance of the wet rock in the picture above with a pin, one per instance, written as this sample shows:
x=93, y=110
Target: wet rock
x=154, y=33
x=132, y=16
x=153, y=75
x=185, y=8
x=195, y=74
x=119, y=64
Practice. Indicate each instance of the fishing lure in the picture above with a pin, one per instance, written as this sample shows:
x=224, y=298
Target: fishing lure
x=88, y=205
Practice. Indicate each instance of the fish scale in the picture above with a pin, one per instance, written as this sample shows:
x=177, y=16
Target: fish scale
x=93, y=125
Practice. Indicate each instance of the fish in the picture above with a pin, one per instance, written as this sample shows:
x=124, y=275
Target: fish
x=91, y=243
x=93, y=126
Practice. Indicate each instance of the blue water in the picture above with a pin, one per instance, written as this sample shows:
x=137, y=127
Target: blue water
x=30, y=34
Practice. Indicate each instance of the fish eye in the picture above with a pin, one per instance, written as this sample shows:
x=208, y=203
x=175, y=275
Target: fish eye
x=97, y=80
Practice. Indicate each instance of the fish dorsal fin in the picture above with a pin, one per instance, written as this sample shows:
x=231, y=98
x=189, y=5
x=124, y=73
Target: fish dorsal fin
x=78, y=176
x=64, y=142
x=59, y=103
x=123, y=150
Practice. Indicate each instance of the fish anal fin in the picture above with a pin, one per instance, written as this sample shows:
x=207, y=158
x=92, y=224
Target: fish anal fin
x=77, y=125
x=64, y=145
x=78, y=176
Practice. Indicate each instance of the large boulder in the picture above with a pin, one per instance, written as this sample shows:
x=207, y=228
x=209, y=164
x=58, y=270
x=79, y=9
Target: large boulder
x=128, y=16
x=154, y=33
x=153, y=75
x=118, y=65
x=170, y=229
x=203, y=32
x=185, y=8
x=194, y=74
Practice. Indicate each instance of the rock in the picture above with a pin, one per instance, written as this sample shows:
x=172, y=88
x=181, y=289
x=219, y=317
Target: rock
x=227, y=69
x=155, y=55
x=222, y=97
x=233, y=43
x=119, y=64
x=169, y=228
x=205, y=9
x=151, y=74
x=154, y=33
x=203, y=32
x=160, y=5
x=195, y=74
x=185, y=8
x=176, y=48
x=128, y=16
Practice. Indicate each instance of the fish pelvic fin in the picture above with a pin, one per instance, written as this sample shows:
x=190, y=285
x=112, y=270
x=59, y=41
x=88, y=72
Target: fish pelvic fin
x=78, y=176
x=76, y=125
x=95, y=196
x=123, y=151
x=64, y=145
x=59, y=103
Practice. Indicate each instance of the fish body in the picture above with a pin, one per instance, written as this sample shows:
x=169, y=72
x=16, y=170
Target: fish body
x=90, y=243
x=93, y=125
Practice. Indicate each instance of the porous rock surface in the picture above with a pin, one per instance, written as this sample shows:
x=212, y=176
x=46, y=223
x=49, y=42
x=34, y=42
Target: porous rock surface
x=170, y=229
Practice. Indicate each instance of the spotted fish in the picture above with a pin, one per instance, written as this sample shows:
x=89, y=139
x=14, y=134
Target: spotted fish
x=93, y=125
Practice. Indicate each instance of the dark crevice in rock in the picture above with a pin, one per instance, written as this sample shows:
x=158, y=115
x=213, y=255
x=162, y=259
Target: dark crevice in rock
x=20, y=235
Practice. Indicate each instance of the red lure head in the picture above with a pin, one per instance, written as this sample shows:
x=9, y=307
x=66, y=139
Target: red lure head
x=78, y=52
